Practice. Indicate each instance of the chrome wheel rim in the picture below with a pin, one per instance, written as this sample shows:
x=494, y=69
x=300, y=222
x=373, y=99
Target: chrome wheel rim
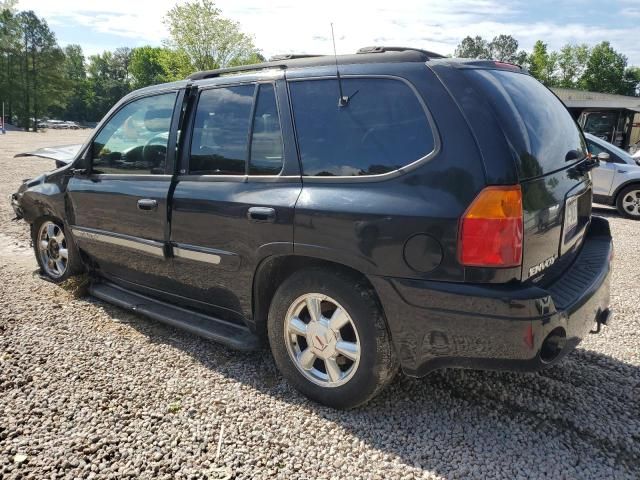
x=322, y=340
x=52, y=248
x=631, y=203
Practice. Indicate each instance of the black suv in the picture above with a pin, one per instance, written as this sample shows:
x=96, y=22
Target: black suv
x=400, y=209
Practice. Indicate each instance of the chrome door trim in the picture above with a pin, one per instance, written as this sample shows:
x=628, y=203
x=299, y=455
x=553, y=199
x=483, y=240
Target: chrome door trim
x=199, y=254
x=135, y=243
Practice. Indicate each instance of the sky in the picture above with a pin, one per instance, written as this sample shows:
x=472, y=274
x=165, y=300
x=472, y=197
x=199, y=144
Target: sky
x=303, y=26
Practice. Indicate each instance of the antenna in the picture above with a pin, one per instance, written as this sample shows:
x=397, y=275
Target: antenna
x=343, y=100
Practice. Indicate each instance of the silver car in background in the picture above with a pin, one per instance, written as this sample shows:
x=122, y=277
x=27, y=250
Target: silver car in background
x=616, y=181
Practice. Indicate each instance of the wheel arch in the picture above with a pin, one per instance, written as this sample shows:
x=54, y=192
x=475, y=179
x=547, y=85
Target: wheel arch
x=273, y=270
x=620, y=188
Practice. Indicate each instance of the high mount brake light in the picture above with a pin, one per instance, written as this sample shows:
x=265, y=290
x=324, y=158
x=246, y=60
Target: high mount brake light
x=491, y=229
x=506, y=65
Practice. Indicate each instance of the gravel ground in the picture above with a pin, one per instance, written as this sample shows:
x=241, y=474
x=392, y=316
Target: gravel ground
x=89, y=390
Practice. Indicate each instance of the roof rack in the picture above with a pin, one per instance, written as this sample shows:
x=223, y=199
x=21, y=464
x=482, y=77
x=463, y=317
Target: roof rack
x=242, y=68
x=380, y=49
x=292, y=59
x=292, y=56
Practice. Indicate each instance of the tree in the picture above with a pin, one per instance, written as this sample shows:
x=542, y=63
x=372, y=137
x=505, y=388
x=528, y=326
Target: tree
x=108, y=81
x=473, y=47
x=632, y=81
x=605, y=70
x=153, y=65
x=572, y=62
x=75, y=70
x=41, y=77
x=198, y=29
x=504, y=48
x=542, y=64
x=9, y=50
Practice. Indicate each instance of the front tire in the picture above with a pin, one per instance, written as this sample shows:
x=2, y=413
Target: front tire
x=628, y=202
x=55, y=251
x=329, y=338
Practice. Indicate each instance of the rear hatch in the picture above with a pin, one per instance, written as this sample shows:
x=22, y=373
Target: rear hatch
x=548, y=150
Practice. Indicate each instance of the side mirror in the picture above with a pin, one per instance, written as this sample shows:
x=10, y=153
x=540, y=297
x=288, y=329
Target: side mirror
x=604, y=157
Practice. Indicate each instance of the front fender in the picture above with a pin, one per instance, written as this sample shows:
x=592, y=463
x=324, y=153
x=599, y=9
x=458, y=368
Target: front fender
x=41, y=196
x=625, y=176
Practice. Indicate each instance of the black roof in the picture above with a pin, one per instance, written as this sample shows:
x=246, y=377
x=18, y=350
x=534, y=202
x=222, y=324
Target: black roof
x=364, y=55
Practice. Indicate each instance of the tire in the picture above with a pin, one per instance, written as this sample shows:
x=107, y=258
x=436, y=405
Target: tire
x=363, y=372
x=51, y=259
x=628, y=202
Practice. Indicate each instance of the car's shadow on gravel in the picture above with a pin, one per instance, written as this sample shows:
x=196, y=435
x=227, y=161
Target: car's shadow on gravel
x=568, y=420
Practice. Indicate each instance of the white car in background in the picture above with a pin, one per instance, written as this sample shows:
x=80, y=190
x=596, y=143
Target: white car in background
x=616, y=181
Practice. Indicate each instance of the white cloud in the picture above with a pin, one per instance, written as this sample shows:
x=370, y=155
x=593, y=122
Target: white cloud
x=284, y=26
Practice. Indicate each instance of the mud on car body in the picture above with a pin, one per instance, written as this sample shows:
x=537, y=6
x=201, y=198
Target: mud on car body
x=436, y=213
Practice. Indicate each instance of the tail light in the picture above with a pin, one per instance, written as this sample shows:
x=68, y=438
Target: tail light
x=491, y=229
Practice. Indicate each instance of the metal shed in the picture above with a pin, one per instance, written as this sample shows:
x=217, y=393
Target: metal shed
x=614, y=118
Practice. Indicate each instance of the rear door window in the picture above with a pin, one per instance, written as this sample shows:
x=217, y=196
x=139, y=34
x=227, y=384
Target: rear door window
x=266, y=138
x=382, y=128
x=221, y=131
x=540, y=130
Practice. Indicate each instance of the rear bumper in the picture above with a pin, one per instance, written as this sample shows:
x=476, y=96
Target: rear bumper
x=499, y=327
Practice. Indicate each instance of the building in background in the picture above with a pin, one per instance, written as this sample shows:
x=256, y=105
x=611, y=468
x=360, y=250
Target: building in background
x=614, y=118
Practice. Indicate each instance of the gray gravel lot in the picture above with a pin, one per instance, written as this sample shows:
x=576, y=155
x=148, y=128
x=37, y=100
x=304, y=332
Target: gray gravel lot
x=89, y=390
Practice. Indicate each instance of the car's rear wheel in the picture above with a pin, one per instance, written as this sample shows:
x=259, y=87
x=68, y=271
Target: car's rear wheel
x=628, y=202
x=329, y=338
x=55, y=251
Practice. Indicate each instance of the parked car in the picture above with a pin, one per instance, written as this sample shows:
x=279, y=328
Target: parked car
x=616, y=181
x=414, y=211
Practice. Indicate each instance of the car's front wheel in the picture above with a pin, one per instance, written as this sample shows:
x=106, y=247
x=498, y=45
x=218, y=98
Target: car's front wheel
x=329, y=338
x=55, y=251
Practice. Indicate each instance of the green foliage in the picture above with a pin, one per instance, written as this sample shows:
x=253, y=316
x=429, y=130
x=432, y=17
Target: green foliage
x=108, y=79
x=600, y=69
x=153, y=65
x=632, y=81
x=39, y=79
x=605, y=70
x=31, y=66
x=503, y=48
x=571, y=65
x=198, y=30
x=542, y=64
x=473, y=47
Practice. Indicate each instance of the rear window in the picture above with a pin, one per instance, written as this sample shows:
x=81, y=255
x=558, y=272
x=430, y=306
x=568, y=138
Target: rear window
x=382, y=128
x=537, y=125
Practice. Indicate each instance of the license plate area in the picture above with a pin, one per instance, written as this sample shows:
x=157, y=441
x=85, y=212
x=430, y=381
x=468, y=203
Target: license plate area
x=570, y=216
x=577, y=214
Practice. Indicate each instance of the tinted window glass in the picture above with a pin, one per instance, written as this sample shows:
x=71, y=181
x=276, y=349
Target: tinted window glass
x=266, y=140
x=221, y=130
x=383, y=127
x=537, y=125
x=134, y=140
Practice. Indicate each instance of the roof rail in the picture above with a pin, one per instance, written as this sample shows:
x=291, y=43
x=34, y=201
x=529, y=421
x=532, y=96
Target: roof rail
x=381, y=49
x=242, y=68
x=293, y=56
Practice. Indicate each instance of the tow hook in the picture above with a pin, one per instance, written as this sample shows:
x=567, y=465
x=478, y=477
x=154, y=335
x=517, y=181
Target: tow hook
x=603, y=317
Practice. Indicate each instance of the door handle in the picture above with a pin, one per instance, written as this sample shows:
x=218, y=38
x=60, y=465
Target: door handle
x=147, y=204
x=261, y=214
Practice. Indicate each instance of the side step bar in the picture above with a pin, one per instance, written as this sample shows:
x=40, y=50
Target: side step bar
x=234, y=336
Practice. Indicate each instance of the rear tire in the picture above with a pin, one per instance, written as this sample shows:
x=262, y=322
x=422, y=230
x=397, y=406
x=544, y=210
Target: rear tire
x=55, y=251
x=329, y=338
x=628, y=202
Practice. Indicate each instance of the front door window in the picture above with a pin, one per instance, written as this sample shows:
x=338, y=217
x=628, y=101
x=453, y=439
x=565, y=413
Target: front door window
x=134, y=141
